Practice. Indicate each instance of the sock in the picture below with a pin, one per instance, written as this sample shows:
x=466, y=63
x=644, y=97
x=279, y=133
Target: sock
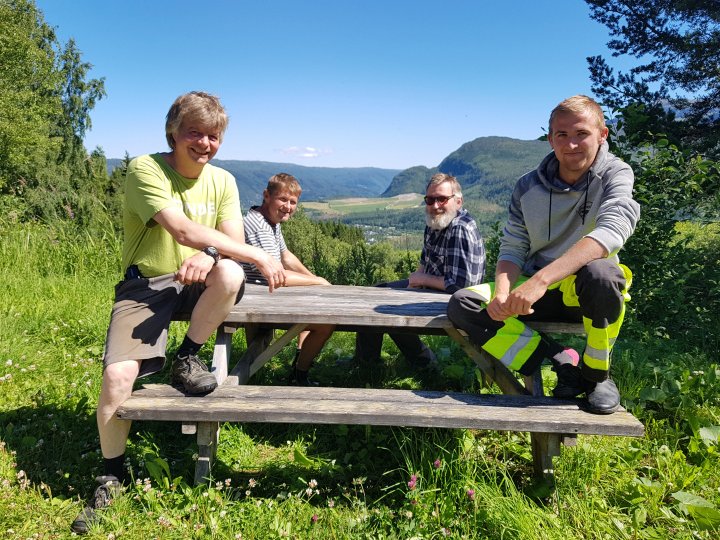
x=566, y=356
x=115, y=467
x=188, y=347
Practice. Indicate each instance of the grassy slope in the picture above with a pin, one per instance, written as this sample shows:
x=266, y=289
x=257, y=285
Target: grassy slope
x=53, y=314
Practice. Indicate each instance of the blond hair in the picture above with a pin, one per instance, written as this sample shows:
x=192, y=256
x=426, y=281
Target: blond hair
x=578, y=104
x=197, y=107
x=284, y=182
x=440, y=178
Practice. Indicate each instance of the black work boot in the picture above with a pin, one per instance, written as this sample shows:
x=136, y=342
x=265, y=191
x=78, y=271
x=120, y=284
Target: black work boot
x=570, y=382
x=104, y=493
x=603, y=397
x=191, y=374
x=299, y=377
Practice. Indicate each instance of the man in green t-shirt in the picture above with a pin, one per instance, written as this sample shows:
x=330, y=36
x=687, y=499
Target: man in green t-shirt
x=183, y=241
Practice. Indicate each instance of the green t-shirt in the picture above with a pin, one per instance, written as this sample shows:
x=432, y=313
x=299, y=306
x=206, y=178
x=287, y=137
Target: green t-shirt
x=151, y=186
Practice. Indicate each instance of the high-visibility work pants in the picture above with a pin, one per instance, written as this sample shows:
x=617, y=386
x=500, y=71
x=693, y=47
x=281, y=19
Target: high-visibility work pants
x=596, y=295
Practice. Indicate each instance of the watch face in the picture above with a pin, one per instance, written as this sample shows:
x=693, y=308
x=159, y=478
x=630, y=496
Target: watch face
x=213, y=252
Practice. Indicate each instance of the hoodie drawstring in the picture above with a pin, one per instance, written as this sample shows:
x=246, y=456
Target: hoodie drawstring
x=550, y=213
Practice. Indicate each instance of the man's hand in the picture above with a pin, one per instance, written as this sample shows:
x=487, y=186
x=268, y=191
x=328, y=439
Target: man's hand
x=271, y=269
x=498, y=308
x=422, y=280
x=195, y=269
x=517, y=302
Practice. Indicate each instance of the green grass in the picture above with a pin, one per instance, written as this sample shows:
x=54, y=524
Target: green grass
x=304, y=481
x=361, y=205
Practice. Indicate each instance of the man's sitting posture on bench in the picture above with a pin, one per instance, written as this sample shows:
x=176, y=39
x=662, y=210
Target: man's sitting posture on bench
x=183, y=228
x=263, y=229
x=567, y=221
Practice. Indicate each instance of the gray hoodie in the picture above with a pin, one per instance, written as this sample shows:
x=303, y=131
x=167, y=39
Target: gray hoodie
x=547, y=216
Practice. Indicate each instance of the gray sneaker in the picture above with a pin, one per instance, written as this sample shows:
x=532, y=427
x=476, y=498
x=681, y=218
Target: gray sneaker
x=191, y=373
x=104, y=493
x=603, y=397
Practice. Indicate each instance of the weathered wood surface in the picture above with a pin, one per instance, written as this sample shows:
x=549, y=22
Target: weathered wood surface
x=353, y=307
x=280, y=404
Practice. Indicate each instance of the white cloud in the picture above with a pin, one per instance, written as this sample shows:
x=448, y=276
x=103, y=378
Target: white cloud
x=309, y=152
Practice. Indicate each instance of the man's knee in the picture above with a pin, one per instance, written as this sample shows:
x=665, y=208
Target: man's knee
x=228, y=275
x=119, y=377
x=599, y=286
x=463, y=304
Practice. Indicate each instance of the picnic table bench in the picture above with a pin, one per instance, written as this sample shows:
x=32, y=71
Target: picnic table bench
x=522, y=407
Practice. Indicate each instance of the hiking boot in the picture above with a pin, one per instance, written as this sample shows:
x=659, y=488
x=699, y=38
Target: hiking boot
x=108, y=488
x=298, y=377
x=603, y=397
x=191, y=373
x=570, y=382
x=425, y=361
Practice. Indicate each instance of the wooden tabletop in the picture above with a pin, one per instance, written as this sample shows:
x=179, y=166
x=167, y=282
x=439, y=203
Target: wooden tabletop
x=349, y=306
x=343, y=305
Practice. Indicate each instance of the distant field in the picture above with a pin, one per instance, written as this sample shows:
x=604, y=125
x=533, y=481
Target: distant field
x=356, y=205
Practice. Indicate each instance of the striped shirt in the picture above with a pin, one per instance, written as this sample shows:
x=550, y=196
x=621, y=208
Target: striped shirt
x=456, y=252
x=259, y=232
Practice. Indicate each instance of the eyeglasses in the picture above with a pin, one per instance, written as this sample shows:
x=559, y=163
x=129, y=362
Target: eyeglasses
x=441, y=199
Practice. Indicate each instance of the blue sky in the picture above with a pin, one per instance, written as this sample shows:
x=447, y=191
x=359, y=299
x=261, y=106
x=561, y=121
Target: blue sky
x=332, y=83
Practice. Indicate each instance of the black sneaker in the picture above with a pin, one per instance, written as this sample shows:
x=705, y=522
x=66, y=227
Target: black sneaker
x=300, y=378
x=104, y=493
x=570, y=382
x=603, y=397
x=191, y=373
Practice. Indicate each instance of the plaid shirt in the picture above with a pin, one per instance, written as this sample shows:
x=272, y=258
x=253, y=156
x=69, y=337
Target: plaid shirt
x=456, y=252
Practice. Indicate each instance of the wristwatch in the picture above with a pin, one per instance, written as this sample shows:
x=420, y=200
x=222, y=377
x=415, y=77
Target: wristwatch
x=213, y=252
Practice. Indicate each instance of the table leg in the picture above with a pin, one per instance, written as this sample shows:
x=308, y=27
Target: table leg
x=208, y=434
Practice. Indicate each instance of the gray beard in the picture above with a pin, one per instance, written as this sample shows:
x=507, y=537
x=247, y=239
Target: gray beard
x=439, y=222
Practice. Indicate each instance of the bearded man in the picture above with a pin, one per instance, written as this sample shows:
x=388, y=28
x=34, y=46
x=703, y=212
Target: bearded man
x=453, y=258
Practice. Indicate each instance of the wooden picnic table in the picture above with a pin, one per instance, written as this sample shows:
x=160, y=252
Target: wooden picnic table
x=551, y=422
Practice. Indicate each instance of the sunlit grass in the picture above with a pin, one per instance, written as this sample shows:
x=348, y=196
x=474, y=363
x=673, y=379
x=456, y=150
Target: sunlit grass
x=304, y=481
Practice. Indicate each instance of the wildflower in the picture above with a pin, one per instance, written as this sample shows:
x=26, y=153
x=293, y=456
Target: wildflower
x=252, y=483
x=471, y=494
x=309, y=492
x=331, y=503
x=314, y=518
x=312, y=483
x=165, y=522
x=437, y=463
x=227, y=482
x=409, y=514
x=8, y=363
x=238, y=536
x=413, y=481
x=218, y=485
x=223, y=513
x=248, y=493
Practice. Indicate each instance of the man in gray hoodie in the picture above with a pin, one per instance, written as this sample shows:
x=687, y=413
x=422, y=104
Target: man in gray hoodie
x=558, y=260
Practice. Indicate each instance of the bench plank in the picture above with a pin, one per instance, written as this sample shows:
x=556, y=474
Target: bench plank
x=279, y=404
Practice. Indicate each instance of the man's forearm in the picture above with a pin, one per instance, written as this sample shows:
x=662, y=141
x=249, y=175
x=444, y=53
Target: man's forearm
x=506, y=274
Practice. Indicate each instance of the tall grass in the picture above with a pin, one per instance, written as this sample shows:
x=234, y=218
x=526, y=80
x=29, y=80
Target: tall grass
x=301, y=481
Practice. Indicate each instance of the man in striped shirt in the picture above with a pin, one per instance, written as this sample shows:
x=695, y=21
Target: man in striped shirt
x=263, y=230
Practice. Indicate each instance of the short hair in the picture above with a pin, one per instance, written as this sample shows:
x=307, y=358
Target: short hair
x=440, y=178
x=200, y=107
x=578, y=104
x=284, y=182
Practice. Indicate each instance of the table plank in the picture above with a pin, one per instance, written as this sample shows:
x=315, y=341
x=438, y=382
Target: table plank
x=411, y=408
x=351, y=307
